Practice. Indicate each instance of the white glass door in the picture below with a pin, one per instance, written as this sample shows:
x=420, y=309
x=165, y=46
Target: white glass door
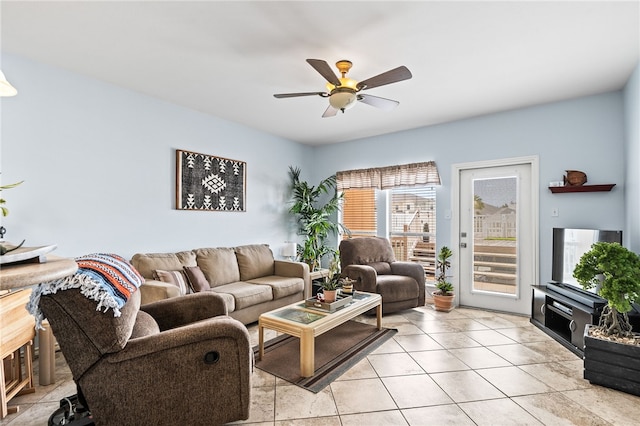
x=497, y=237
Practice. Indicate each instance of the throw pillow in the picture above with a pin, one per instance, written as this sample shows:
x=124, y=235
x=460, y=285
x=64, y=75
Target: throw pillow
x=177, y=278
x=254, y=261
x=197, y=279
x=219, y=265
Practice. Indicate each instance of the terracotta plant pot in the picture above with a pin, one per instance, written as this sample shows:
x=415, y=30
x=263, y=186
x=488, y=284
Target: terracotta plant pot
x=329, y=296
x=443, y=303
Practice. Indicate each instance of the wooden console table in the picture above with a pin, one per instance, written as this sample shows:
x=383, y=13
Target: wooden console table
x=18, y=327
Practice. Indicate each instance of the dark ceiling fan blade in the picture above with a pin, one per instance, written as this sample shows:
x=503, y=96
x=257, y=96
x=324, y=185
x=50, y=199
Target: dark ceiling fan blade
x=391, y=76
x=325, y=70
x=293, y=95
x=378, y=102
x=330, y=112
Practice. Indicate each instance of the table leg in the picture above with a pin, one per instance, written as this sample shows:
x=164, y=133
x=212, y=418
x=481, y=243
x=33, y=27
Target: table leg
x=260, y=341
x=307, y=353
x=379, y=316
x=3, y=392
x=28, y=366
x=47, y=355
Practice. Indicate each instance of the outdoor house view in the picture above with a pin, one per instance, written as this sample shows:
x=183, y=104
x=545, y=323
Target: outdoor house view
x=410, y=214
x=412, y=227
x=494, y=235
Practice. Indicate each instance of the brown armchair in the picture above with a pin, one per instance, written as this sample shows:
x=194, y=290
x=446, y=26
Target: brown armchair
x=371, y=263
x=176, y=361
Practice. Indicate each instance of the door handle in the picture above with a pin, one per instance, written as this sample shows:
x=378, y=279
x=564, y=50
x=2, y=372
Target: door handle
x=463, y=245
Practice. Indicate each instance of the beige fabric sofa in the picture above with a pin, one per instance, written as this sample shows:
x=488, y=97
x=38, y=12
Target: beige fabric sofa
x=247, y=277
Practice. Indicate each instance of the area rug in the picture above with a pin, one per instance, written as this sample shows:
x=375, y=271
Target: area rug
x=335, y=352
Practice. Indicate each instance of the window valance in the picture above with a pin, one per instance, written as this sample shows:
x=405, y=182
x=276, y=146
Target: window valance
x=389, y=177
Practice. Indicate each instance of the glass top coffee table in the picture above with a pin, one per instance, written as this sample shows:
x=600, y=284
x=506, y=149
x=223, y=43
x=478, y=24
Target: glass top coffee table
x=306, y=323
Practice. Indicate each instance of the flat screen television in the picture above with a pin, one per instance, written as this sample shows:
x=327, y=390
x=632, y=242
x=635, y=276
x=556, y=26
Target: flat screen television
x=568, y=247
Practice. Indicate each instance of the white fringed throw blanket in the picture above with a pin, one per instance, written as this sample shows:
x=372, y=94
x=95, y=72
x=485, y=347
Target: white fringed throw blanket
x=106, y=278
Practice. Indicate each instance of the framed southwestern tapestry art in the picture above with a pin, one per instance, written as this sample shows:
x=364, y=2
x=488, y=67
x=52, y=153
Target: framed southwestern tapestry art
x=205, y=182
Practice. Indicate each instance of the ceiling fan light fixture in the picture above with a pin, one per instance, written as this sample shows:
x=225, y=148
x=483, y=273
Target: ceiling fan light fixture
x=343, y=92
x=343, y=98
x=344, y=82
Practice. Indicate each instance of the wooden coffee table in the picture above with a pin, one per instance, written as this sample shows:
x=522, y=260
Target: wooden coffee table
x=306, y=323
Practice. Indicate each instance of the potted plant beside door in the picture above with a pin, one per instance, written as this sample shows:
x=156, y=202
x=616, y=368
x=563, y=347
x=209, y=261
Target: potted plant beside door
x=443, y=296
x=611, y=348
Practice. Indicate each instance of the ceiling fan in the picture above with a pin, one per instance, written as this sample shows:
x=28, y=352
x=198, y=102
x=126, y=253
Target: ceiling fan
x=343, y=92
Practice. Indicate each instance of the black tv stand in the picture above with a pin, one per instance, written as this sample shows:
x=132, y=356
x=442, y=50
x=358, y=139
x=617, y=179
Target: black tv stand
x=573, y=293
x=562, y=312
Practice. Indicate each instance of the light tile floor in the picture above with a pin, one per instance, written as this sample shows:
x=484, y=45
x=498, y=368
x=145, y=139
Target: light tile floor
x=465, y=367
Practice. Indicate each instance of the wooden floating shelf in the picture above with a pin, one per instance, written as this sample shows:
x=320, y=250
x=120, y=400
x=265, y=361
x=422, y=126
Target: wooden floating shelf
x=583, y=188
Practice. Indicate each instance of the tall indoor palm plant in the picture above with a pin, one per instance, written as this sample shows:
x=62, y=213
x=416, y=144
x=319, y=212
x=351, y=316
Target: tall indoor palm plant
x=314, y=217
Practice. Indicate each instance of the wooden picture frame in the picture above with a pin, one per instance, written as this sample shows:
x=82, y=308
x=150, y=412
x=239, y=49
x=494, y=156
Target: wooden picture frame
x=209, y=183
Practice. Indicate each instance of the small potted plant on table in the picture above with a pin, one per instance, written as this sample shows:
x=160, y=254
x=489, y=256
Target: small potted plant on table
x=443, y=296
x=330, y=289
x=334, y=280
x=611, y=348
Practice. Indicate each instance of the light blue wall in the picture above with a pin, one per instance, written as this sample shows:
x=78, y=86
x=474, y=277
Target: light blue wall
x=98, y=163
x=583, y=134
x=632, y=159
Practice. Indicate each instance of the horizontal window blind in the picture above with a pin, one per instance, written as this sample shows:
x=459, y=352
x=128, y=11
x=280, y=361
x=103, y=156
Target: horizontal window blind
x=359, y=211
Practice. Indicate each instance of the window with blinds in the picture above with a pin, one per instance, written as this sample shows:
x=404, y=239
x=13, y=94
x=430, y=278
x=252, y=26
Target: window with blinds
x=359, y=212
x=407, y=195
x=412, y=222
x=413, y=211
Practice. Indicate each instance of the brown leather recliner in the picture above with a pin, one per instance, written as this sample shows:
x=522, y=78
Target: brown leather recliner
x=176, y=361
x=371, y=263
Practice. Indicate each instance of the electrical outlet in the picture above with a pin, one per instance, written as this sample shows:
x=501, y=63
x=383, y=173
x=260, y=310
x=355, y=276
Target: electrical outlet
x=555, y=212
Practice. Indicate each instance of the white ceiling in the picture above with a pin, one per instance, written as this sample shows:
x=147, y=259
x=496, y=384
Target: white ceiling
x=228, y=58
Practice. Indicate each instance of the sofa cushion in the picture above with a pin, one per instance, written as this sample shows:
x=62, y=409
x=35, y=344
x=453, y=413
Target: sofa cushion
x=197, y=280
x=176, y=278
x=396, y=288
x=219, y=265
x=254, y=261
x=246, y=294
x=281, y=286
x=146, y=263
